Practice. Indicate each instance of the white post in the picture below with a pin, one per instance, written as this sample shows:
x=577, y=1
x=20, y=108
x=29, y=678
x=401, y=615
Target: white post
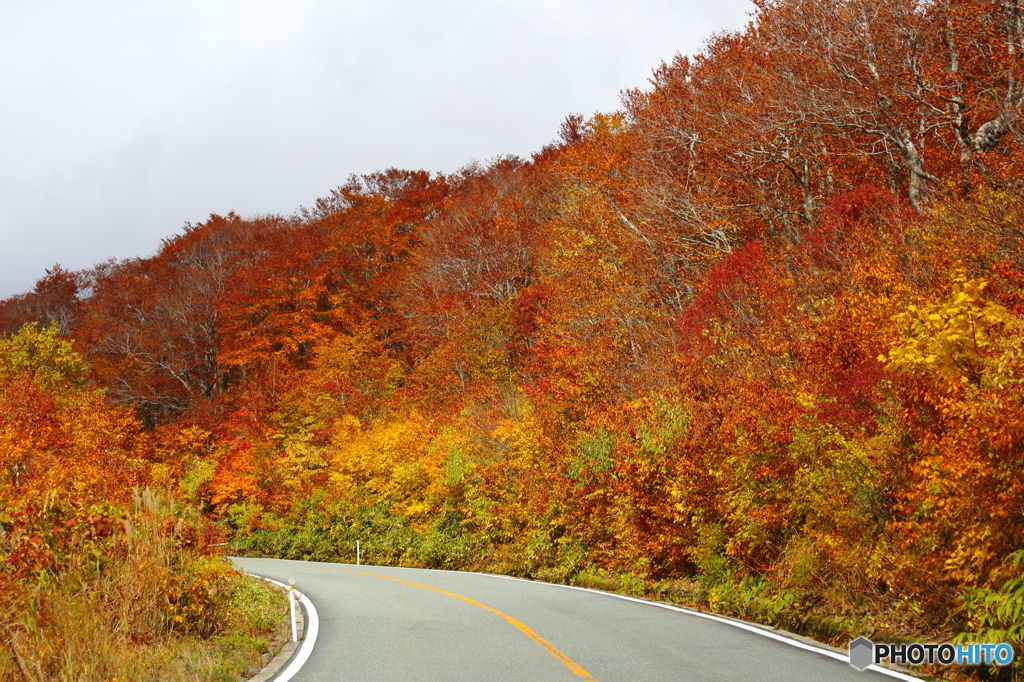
x=358, y=558
x=291, y=603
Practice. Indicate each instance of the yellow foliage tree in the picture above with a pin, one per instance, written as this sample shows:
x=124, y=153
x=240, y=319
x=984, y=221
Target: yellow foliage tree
x=57, y=432
x=953, y=337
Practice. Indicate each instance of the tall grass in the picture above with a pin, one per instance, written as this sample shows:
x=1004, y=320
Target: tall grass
x=103, y=594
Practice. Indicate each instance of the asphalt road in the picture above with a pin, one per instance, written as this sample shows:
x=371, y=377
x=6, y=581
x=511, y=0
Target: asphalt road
x=382, y=623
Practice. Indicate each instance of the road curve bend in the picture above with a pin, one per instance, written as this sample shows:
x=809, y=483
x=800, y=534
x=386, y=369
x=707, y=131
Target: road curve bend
x=384, y=623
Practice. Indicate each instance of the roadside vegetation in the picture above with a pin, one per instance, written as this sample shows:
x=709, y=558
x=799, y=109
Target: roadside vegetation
x=102, y=577
x=105, y=592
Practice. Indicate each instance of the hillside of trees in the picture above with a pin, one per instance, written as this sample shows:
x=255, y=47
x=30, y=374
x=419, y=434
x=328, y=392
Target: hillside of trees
x=755, y=341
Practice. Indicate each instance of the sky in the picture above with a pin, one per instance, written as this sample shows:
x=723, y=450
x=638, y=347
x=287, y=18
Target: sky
x=121, y=121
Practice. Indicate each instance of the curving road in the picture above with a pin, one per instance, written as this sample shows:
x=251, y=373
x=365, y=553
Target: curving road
x=382, y=623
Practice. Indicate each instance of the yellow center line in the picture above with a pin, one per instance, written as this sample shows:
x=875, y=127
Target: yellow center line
x=518, y=624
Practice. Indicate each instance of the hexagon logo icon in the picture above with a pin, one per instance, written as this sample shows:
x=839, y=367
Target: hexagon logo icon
x=862, y=653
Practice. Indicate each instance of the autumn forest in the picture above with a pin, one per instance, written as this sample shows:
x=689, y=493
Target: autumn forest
x=754, y=342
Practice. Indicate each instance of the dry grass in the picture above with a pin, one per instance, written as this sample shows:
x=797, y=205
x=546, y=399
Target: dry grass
x=156, y=608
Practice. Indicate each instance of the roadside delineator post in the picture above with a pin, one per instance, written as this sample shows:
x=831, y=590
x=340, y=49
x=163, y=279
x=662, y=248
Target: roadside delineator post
x=291, y=604
x=357, y=553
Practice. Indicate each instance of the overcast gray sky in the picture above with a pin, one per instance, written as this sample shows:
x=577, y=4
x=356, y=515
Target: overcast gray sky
x=120, y=121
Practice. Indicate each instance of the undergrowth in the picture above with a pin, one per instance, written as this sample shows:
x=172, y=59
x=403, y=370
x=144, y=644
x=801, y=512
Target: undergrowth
x=103, y=593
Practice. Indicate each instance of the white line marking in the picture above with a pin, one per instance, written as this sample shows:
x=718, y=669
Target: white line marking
x=312, y=629
x=757, y=630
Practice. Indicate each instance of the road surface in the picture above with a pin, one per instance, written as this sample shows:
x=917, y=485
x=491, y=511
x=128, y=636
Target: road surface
x=382, y=623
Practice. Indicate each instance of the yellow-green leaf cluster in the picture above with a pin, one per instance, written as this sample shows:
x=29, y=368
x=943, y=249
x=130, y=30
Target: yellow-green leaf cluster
x=952, y=337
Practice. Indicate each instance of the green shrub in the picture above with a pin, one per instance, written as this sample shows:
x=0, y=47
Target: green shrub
x=609, y=581
x=997, y=615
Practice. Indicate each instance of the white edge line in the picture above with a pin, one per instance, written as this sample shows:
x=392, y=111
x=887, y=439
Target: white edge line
x=718, y=619
x=308, y=640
